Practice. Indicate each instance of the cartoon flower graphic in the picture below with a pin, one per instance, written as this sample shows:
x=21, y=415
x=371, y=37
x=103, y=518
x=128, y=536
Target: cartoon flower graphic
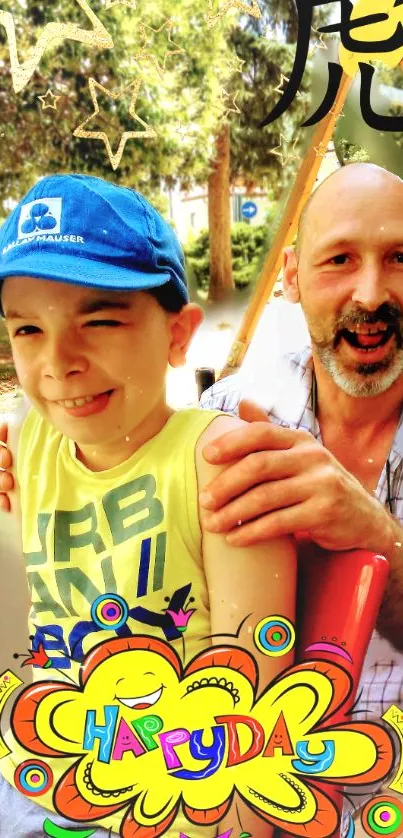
x=37, y=657
x=180, y=618
x=140, y=729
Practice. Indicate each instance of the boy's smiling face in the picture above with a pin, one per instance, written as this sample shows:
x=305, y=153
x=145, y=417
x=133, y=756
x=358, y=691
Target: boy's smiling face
x=70, y=342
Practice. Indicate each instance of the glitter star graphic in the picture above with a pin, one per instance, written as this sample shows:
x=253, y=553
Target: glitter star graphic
x=145, y=53
x=22, y=72
x=131, y=4
x=49, y=100
x=283, y=78
x=226, y=109
x=279, y=89
x=252, y=10
x=285, y=155
x=235, y=64
x=333, y=111
x=320, y=44
x=184, y=131
x=134, y=87
x=320, y=150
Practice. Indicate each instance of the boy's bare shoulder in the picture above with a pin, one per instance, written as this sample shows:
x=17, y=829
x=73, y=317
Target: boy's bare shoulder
x=218, y=427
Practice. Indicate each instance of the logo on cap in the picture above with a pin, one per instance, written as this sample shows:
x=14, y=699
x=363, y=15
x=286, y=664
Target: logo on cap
x=40, y=216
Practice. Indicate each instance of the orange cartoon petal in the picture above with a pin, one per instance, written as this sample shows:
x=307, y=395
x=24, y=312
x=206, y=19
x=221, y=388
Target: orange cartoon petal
x=118, y=645
x=69, y=802
x=24, y=713
x=132, y=829
x=207, y=816
x=324, y=824
x=385, y=756
x=340, y=678
x=230, y=656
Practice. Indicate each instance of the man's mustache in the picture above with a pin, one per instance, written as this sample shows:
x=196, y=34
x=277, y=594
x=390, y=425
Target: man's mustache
x=388, y=313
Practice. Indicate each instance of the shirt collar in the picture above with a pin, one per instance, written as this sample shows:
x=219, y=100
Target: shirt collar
x=292, y=404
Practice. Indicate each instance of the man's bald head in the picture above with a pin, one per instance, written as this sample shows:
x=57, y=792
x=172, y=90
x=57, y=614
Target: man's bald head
x=353, y=177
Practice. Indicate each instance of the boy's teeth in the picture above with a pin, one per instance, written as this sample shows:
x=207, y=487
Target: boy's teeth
x=76, y=402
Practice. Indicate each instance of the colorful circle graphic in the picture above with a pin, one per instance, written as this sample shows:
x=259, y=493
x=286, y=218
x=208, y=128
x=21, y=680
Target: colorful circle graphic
x=274, y=636
x=383, y=816
x=33, y=777
x=109, y=611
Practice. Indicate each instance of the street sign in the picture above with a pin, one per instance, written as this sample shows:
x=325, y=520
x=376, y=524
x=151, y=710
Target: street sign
x=249, y=209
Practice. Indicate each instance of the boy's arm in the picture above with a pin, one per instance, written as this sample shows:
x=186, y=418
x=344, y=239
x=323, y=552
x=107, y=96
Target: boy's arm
x=9, y=436
x=258, y=581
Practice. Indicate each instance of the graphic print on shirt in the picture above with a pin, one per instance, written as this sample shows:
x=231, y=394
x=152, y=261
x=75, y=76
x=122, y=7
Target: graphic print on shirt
x=135, y=515
x=110, y=612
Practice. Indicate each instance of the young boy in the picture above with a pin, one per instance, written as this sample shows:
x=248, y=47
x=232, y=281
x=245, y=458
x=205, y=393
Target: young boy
x=96, y=306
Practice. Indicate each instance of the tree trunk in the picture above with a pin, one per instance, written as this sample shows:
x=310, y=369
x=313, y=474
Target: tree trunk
x=219, y=217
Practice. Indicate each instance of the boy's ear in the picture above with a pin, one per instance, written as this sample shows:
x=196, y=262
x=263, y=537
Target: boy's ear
x=184, y=324
x=290, y=275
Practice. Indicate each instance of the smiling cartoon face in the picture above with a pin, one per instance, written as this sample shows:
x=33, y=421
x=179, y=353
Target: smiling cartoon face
x=137, y=682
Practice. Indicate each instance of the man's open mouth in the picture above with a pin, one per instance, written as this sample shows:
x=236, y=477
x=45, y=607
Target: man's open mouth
x=367, y=337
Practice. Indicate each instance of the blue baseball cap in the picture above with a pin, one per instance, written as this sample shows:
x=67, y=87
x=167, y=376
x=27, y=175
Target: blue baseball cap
x=85, y=230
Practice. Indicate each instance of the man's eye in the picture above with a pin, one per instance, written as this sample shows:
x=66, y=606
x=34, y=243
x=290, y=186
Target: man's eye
x=398, y=256
x=339, y=259
x=104, y=323
x=26, y=330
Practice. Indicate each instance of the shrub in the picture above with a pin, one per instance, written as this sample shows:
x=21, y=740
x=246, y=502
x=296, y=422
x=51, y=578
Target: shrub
x=248, y=245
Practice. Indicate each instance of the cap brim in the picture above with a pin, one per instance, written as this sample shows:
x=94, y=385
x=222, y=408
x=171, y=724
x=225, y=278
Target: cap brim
x=86, y=272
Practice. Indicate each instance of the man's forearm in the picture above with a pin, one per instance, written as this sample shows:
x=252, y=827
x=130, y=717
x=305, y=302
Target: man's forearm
x=390, y=619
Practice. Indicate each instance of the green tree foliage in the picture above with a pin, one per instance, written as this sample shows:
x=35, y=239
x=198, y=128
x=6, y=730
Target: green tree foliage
x=247, y=244
x=252, y=157
x=267, y=46
x=35, y=142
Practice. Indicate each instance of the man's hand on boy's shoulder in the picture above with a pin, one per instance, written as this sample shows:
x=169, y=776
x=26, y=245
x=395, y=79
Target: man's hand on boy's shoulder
x=206, y=471
x=6, y=462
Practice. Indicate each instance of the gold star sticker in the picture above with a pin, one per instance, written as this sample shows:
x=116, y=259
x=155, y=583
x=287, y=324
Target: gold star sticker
x=131, y=4
x=147, y=55
x=21, y=73
x=285, y=155
x=320, y=44
x=226, y=109
x=212, y=19
x=49, y=100
x=280, y=84
x=134, y=86
x=333, y=112
x=235, y=64
x=320, y=150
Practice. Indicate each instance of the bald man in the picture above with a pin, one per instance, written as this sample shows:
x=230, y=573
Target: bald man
x=330, y=463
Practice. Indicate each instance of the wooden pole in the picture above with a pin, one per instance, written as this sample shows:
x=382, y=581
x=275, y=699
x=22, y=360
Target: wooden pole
x=300, y=193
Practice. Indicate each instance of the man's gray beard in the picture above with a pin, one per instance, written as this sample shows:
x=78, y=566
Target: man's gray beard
x=369, y=380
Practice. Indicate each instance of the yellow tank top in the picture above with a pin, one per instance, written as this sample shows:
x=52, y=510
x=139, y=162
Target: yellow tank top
x=109, y=555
